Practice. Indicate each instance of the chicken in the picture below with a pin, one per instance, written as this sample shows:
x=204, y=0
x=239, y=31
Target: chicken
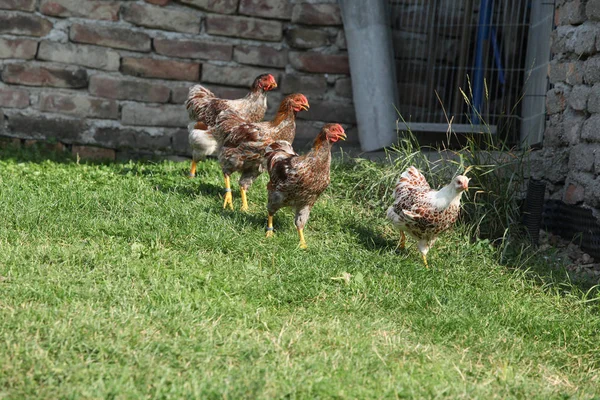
x=242, y=144
x=298, y=181
x=423, y=213
x=204, y=108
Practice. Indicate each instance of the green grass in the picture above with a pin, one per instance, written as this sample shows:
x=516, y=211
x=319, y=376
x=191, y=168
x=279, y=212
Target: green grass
x=129, y=281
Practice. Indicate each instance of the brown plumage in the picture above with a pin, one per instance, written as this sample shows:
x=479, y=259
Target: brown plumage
x=242, y=144
x=422, y=212
x=298, y=181
x=204, y=108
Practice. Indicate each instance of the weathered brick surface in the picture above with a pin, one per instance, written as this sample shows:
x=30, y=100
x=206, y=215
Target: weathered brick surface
x=93, y=153
x=162, y=18
x=320, y=110
x=129, y=138
x=302, y=38
x=88, y=56
x=119, y=38
x=158, y=2
x=266, y=8
x=23, y=5
x=572, y=12
x=234, y=76
x=79, y=105
x=18, y=48
x=261, y=55
x=165, y=69
x=105, y=10
x=193, y=49
x=317, y=14
x=340, y=40
x=318, y=62
x=44, y=127
x=306, y=84
x=24, y=24
x=217, y=6
x=343, y=87
x=129, y=89
x=248, y=28
x=45, y=75
x=13, y=97
x=146, y=115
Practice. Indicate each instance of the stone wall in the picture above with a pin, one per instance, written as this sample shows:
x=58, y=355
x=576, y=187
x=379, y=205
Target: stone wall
x=115, y=74
x=569, y=160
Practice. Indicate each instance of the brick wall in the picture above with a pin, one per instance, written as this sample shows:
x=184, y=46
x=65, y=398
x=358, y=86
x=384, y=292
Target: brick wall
x=570, y=158
x=115, y=74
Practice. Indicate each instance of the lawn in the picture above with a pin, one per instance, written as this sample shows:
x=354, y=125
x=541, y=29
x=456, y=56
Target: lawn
x=129, y=281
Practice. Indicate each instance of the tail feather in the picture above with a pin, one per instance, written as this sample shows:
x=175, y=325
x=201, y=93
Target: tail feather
x=278, y=151
x=201, y=141
x=198, y=98
x=412, y=178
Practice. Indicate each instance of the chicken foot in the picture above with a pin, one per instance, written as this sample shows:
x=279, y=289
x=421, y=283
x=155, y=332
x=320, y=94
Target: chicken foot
x=193, y=169
x=425, y=260
x=402, y=242
x=228, y=198
x=302, y=243
x=244, y=199
x=269, y=226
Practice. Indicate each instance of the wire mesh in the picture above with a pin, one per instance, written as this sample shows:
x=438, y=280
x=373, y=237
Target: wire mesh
x=442, y=46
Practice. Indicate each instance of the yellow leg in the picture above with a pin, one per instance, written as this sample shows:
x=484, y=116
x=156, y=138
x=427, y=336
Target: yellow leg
x=269, y=226
x=402, y=242
x=425, y=260
x=244, y=200
x=228, y=201
x=302, y=243
x=193, y=169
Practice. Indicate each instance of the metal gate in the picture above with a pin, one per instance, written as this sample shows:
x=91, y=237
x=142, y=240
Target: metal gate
x=479, y=46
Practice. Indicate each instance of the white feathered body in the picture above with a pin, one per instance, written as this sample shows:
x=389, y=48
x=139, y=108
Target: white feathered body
x=202, y=142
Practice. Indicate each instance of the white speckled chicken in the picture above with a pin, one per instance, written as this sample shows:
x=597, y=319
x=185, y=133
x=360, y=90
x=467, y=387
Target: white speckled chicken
x=204, y=108
x=422, y=212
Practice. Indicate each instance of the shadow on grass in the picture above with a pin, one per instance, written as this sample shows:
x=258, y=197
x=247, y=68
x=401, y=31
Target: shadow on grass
x=371, y=239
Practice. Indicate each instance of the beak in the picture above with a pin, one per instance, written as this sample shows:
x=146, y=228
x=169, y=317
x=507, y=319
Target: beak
x=342, y=136
x=304, y=106
x=273, y=86
x=465, y=186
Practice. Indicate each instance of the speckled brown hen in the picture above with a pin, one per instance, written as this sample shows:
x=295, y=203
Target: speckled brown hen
x=298, y=181
x=242, y=144
x=204, y=109
x=422, y=212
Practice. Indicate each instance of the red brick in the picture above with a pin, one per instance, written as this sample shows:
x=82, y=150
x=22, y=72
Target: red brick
x=243, y=27
x=146, y=115
x=302, y=38
x=88, y=56
x=18, y=48
x=321, y=110
x=24, y=24
x=45, y=75
x=23, y=5
x=67, y=130
x=158, y=2
x=58, y=147
x=307, y=84
x=266, y=8
x=106, y=10
x=93, y=153
x=233, y=76
x=165, y=69
x=218, y=6
x=193, y=49
x=322, y=63
x=129, y=89
x=317, y=14
x=261, y=55
x=79, y=105
x=120, y=38
x=13, y=98
x=161, y=18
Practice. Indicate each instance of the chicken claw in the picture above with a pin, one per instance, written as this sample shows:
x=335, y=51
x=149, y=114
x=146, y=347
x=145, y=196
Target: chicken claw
x=425, y=260
x=402, y=242
x=228, y=198
x=244, y=200
x=269, y=226
x=193, y=170
x=302, y=243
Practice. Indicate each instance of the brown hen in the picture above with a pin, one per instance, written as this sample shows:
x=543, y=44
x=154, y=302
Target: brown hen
x=298, y=181
x=204, y=108
x=242, y=144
